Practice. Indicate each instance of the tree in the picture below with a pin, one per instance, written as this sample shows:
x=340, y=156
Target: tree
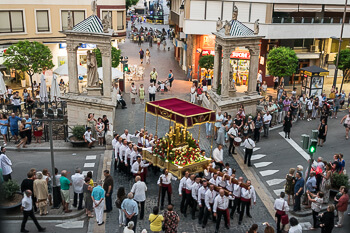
x=130, y=3
x=344, y=64
x=282, y=62
x=207, y=62
x=115, y=57
x=29, y=57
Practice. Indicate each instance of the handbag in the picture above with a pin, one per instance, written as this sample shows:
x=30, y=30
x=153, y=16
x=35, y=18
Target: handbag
x=284, y=218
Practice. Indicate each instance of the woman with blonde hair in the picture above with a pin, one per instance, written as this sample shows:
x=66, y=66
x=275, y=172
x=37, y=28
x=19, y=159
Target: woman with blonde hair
x=41, y=193
x=289, y=187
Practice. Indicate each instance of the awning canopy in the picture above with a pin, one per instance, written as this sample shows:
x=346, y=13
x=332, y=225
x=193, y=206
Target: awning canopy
x=310, y=8
x=314, y=71
x=180, y=111
x=285, y=8
x=336, y=8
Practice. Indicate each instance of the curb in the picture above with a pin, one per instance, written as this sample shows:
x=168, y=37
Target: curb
x=48, y=217
x=47, y=149
x=306, y=212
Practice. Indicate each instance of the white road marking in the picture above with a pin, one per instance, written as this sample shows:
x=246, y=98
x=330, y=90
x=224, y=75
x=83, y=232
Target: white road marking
x=90, y=157
x=305, y=225
x=278, y=191
x=268, y=172
x=71, y=224
x=257, y=156
x=254, y=149
x=275, y=181
x=262, y=164
x=85, y=172
x=296, y=147
x=89, y=164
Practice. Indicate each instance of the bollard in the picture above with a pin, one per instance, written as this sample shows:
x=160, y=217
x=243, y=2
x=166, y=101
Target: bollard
x=305, y=139
x=314, y=134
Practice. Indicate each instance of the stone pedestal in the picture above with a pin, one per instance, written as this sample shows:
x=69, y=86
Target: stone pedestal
x=94, y=91
x=79, y=106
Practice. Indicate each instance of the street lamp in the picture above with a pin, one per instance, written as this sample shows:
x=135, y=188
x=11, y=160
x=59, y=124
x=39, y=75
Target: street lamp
x=339, y=46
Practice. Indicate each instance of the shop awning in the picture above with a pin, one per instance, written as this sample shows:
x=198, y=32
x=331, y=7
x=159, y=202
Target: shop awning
x=180, y=111
x=314, y=70
x=308, y=55
x=285, y=8
x=336, y=8
x=310, y=8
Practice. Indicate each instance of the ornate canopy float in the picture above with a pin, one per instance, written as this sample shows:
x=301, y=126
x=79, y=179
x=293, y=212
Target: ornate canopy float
x=178, y=151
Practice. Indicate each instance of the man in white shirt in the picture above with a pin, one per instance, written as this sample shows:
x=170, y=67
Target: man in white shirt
x=201, y=200
x=164, y=182
x=189, y=184
x=232, y=133
x=152, y=92
x=215, y=180
x=6, y=165
x=121, y=154
x=139, y=190
x=127, y=136
x=219, y=119
x=116, y=147
x=266, y=119
x=27, y=209
x=87, y=137
x=237, y=194
x=218, y=156
x=139, y=164
x=78, y=183
x=281, y=207
x=220, y=209
x=182, y=190
x=133, y=155
x=210, y=195
x=247, y=196
x=194, y=192
x=249, y=145
x=127, y=158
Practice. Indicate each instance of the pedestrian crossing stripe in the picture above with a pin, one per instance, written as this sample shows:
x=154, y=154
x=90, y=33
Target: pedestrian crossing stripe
x=262, y=164
x=89, y=164
x=85, y=172
x=275, y=181
x=268, y=172
x=257, y=156
x=278, y=191
x=90, y=157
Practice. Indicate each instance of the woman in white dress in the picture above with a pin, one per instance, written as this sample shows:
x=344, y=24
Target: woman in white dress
x=133, y=93
x=193, y=93
x=100, y=129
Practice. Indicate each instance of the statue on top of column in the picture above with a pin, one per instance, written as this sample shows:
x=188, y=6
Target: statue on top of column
x=218, y=24
x=94, y=6
x=235, y=13
x=256, y=27
x=227, y=28
x=106, y=23
x=69, y=21
x=92, y=75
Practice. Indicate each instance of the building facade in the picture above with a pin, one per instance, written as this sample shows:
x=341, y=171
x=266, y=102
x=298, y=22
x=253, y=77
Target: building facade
x=39, y=20
x=306, y=26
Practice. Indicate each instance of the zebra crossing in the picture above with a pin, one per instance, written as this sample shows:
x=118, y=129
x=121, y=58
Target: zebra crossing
x=90, y=163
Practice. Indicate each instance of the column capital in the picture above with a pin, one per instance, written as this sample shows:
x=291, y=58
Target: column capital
x=105, y=50
x=254, y=50
x=217, y=47
x=227, y=51
x=72, y=47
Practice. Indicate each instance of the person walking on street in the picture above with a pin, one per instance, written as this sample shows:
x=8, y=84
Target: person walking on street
x=148, y=56
x=156, y=220
x=201, y=200
x=27, y=209
x=267, y=119
x=5, y=165
x=170, y=79
x=248, y=196
x=346, y=121
x=200, y=94
x=164, y=183
x=65, y=183
x=298, y=190
x=78, y=183
x=232, y=134
x=98, y=199
x=281, y=207
x=193, y=93
x=152, y=92
x=322, y=132
x=287, y=125
x=141, y=93
x=141, y=53
x=171, y=220
x=153, y=76
x=131, y=210
x=220, y=210
x=210, y=195
x=139, y=190
x=249, y=145
x=108, y=187
x=182, y=190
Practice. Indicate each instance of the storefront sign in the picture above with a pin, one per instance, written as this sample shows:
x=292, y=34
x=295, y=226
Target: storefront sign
x=208, y=52
x=324, y=73
x=234, y=54
x=83, y=46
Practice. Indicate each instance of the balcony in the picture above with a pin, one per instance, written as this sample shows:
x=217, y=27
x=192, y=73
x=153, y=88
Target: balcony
x=309, y=20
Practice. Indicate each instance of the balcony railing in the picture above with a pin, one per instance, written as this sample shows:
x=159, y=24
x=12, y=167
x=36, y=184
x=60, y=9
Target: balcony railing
x=309, y=20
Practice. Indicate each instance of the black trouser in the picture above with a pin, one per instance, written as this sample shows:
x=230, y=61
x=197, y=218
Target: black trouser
x=142, y=209
x=194, y=208
x=318, y=181
x=236, y=205
x=153, y=81
x=279, y=229
x=297, y=202
x=134, y=219
x=247, y=156
x=57, y=198
x=27, y=214
x=231, y=147
x=7, y=177
x=34, y=203
x=165, y=190
x=183, y=199
x=109, y=202
x=314, y=217
x=188, y=201
x=29, y=136
x=201, y=211
x=257, y=134
x=75, y=200
x=207, y=213
x=152, y=97
x=244, y=205
x=220, y=165
x=220, y=213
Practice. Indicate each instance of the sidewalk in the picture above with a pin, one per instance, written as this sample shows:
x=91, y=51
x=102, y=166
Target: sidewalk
x=58, y=145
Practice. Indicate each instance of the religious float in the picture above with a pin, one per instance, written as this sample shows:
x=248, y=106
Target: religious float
x=178, y=151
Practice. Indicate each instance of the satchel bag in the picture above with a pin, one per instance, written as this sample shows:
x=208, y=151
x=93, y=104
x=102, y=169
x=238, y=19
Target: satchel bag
x=284, y=218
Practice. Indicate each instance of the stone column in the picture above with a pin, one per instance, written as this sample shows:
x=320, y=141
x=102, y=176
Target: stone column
x=72, y=68
x=253, y=69
x=217, y=68
x=225, y=86
x=107, y=71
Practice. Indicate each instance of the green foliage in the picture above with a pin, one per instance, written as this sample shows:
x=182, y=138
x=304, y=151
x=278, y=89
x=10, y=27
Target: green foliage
x=8, y=190
x=29, y=57
x=78, y=132
x=207, y=62
x=344, y=63
x=130, y=3
x=282, y=62
x=340, y=180
x=115, y=57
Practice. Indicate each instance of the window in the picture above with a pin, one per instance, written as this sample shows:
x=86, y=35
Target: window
x=77, y=17
x=120, y=21
x=42, y=21
x=104, y=13
x=11, y=21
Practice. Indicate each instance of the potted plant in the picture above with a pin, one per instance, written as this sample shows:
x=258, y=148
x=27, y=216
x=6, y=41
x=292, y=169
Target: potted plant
x=340, y=180
x=10, y=197
x=77, y=138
